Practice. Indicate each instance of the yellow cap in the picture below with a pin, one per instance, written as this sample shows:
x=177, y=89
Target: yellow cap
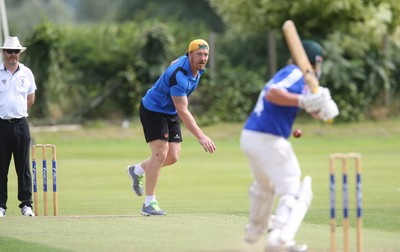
x=198, y=44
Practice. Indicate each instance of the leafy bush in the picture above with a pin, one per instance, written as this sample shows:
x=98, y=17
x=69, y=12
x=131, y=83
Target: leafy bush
x=101, y=71
x=357, y=80
x=229, y=97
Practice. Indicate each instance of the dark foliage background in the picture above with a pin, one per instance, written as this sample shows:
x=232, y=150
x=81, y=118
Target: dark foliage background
x=94, y=60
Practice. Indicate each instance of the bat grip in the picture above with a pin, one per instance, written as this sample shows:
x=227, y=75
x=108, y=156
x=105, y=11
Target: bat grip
x=311, y=80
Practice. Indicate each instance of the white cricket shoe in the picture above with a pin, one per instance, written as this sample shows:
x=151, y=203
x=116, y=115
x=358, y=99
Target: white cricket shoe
x=286, y=248
x=2, y=212
x=27, y=211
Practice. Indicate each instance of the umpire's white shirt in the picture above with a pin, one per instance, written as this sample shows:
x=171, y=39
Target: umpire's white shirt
x=14, y=91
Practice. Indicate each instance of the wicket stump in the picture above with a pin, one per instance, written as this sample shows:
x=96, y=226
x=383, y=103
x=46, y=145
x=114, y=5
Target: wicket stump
x=44, y=168
x=344, y=157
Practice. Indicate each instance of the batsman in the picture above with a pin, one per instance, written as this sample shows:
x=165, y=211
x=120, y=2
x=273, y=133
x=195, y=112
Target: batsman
x=273, y=163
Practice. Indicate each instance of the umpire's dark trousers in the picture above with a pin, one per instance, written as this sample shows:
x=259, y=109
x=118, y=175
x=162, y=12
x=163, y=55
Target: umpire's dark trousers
x=15, y=140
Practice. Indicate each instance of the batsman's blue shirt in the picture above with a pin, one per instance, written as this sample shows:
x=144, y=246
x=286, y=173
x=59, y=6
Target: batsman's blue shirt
x=272, y=118
x=177, y=80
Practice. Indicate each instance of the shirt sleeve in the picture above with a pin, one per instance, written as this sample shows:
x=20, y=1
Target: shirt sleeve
x=31, y=78
x=180, y=88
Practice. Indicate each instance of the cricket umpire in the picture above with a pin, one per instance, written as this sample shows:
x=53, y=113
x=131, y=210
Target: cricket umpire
x=17, y=94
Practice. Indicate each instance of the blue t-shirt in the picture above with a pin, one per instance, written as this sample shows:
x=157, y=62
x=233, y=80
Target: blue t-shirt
x=177, y=80
x=272, y=118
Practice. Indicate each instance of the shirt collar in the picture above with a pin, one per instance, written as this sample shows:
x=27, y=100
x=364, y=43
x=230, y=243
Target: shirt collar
x=3, y=67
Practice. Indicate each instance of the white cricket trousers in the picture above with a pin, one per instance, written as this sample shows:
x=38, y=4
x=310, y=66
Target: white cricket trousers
x=273, y=163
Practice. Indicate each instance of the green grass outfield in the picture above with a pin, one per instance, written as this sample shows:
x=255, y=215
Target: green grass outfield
x=205, y=195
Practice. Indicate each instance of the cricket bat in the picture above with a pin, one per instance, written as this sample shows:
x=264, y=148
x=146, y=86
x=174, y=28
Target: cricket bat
x=299, y=55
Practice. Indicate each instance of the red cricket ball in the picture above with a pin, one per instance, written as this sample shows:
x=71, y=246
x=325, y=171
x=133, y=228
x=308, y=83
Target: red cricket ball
x=297, y=133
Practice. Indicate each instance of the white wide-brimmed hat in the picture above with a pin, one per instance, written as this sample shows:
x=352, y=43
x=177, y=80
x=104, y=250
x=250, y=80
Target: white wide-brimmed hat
x=12, y=43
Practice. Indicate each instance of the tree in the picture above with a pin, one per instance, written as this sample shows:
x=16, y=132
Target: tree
x=44, y=58
x=352, y=31
x=24, y=16
x=173, y=10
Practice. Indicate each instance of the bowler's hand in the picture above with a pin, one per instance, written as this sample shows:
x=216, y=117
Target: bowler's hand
x=207, y=144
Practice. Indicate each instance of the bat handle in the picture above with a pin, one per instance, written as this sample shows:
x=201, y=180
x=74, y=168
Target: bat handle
x=312, y=81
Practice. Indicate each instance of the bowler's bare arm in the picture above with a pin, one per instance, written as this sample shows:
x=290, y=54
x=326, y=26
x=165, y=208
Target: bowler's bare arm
x=181, y=104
